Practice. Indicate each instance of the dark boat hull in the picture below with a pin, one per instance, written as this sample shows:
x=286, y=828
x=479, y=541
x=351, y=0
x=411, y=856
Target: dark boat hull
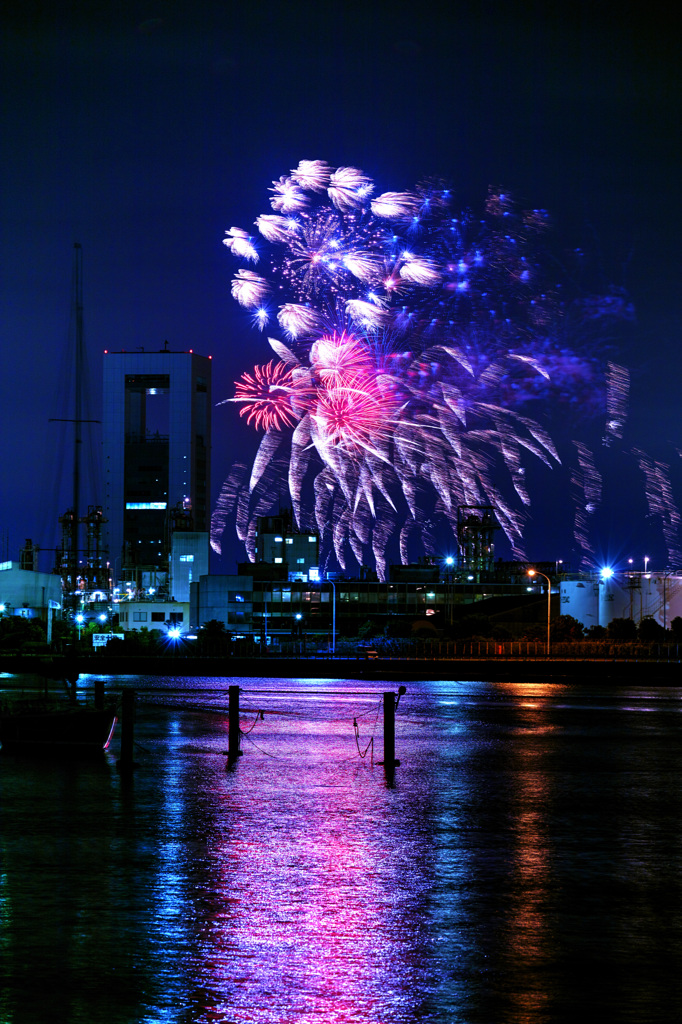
x=64, y=731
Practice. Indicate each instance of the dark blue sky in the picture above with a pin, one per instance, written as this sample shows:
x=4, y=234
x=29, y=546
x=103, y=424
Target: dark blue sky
x=144, y=130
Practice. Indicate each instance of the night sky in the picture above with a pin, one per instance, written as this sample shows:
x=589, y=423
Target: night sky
x=144, y=130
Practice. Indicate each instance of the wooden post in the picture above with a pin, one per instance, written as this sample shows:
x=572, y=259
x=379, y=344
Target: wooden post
x=125, y=761
x=234, y=735
x=99, y=693
x=389, y=730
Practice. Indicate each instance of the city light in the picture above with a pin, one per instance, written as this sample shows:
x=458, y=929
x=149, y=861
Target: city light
x=606, y=573
x=174, y=633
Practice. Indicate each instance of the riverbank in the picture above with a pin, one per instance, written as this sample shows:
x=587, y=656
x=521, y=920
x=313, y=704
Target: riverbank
x=617, y=671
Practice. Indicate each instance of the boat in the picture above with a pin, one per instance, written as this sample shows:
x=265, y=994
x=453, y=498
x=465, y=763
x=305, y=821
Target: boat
x=45, y=726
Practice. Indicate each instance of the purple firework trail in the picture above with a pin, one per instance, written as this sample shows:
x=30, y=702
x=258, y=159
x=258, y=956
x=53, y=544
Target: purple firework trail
x=414, y=345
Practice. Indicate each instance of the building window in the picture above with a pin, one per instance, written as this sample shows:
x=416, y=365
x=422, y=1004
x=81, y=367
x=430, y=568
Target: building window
x=140, y=616
x=289, y=540
x=278, y=561
x=186, y=558
x=156, y=616
x=176, y=616
x=237, y=618
x=300, y=561
x=311, y=540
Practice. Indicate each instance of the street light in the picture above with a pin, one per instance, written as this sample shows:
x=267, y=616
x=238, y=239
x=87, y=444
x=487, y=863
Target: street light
x=80, y=619
x=534, y=572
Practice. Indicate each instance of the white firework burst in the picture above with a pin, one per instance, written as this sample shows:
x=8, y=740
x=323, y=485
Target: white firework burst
x=249, y=289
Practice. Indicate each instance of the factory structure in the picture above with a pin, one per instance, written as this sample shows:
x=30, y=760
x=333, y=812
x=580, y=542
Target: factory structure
x=140, y=560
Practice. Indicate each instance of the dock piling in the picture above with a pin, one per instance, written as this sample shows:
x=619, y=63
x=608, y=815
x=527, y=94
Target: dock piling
x=234, y=734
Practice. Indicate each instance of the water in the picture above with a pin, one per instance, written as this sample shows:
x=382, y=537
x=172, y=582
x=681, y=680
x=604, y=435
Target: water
x=526, y=865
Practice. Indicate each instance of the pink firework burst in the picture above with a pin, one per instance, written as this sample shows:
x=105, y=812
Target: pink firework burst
x=266, y=396
x=353, y=417
x=341, y=359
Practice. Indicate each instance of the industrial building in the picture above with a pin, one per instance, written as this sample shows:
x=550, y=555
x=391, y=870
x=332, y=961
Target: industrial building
x=596, y=599
x=157, y=455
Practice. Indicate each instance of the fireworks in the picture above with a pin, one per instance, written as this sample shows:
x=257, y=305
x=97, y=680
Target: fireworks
x=268, y=395
x=416, y=345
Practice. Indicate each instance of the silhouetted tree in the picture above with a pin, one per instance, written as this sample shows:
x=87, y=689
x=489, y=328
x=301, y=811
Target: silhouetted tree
x=566, y=627
x=213, y=639
x=649, y=630
x=15, y=632
x=676, y=628
x=622, y=629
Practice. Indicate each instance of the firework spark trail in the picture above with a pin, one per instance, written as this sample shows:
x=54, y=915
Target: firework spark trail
x=617, y=390
x=660, y=501
x=587, y=483
x=227, y=501
x=416, y=343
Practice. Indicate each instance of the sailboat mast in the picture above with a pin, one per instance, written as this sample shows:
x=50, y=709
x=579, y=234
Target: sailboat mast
x=78, y=422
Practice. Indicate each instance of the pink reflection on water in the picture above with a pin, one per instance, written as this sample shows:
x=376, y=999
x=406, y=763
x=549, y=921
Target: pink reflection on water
x=317, y=876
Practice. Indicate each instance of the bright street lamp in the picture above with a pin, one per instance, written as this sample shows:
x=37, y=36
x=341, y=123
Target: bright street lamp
x=80, y=619
x=534, y=572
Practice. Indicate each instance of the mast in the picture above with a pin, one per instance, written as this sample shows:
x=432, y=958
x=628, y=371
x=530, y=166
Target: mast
x=78, y=421
x=71, y=520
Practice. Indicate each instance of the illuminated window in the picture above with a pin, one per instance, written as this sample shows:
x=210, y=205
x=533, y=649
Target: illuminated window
x=278, y=561
x=300, y=561
x=278, y=540
x=137, y=505
x=311, y=540
x=186, y=558
x=289, y=540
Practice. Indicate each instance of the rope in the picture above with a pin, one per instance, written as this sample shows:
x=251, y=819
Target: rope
x=356, y=730
x=259, y=714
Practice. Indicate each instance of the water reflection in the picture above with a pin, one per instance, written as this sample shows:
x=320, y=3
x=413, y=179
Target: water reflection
x=526, y=867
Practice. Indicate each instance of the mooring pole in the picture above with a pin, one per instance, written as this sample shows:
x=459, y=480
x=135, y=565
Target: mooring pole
x=125, y=761
x=389, y=730
x=99, y=693
x=234, y=735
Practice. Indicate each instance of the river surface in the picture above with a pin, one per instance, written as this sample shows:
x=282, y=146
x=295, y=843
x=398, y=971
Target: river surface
x=524, y=865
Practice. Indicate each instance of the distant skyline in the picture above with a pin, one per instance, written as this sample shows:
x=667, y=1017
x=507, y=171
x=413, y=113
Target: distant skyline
x=144, y=134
